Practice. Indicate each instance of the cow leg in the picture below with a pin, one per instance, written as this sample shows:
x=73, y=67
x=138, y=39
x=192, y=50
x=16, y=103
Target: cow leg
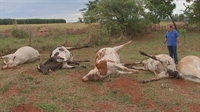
x=121, y=46
x=73, y=62
x=125, y=68
x=159, y=76
x=122, y=72
x=65, y=65
x=6, y=56
x=76, y=48
x=132, y=64
x=139, y=68
x=77, y=62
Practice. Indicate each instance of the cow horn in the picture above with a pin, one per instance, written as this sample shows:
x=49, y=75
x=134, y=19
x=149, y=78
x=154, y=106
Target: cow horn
x=5, y=62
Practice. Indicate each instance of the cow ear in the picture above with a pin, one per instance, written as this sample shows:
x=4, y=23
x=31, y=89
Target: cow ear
x=102, y=67
x=14, y=58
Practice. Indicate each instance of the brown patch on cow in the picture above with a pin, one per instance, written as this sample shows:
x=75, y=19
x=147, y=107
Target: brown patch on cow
x=56, y=54
x=127, y=86
x=99, y=55
x=102, y=67
x=25, y=108
x=61, y=49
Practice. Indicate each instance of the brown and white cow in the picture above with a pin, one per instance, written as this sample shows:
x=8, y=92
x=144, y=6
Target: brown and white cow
x=60, y=57
x=162, y=65
x=107, y=61
x=22, y=55
x=189, y=68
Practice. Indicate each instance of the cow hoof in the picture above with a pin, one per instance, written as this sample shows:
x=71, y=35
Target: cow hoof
x=142, y=82
x=136, y=71
x=87, y=60
x=77, y=63
x=83, y=66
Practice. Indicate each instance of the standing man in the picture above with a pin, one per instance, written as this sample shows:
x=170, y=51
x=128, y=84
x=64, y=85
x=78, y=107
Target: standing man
x=172, y=39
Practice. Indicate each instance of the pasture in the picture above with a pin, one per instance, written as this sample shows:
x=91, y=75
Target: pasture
x=23, y=88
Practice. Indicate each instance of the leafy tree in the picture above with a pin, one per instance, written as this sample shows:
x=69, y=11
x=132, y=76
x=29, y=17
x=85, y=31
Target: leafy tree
x=124, y=16
x=158, y=9
x=80, y=20
x=193, y=11
x=181, y=17
x=89, y=6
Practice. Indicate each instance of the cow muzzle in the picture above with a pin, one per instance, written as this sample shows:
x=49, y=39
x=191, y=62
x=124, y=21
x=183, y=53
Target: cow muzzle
x=84, y=80
x=173, y=74
x=4, y=67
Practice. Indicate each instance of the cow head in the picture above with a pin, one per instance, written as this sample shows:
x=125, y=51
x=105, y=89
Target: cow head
x=43, y=69
x=170, y=66
x=10, y=63
x=92, y=75
x=97, y=73
x=52, y=64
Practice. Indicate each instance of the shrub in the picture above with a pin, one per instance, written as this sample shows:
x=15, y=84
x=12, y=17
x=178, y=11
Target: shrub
x=18, y=33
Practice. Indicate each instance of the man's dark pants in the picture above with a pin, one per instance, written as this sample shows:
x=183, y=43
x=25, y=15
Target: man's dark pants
x=173, y=53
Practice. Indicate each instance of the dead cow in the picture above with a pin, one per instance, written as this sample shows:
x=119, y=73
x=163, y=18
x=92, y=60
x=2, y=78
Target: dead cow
x=60, y=57
x=22, y=55
x=162, y=65
x=107, y=61
x=189, y=68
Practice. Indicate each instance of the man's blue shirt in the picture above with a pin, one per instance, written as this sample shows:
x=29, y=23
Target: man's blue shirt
x=172, y=38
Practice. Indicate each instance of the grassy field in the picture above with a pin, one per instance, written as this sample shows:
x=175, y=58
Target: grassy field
x=23, y=88
x=60, y=25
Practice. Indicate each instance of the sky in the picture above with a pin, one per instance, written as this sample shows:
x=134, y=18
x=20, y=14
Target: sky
x=50, y=9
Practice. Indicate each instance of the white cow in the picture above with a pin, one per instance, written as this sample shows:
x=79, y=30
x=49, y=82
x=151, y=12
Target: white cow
x=107, y=61
x=189, y=68
x=162, y=65
x=60, y=57
x=22, y=55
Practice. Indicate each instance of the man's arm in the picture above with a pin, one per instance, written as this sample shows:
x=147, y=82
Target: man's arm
x=165, y=41
x=178, y=41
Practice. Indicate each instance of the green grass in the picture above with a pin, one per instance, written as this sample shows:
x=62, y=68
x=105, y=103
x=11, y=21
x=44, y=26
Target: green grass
x=63, y=90
x=48, y=107
x=9, y=45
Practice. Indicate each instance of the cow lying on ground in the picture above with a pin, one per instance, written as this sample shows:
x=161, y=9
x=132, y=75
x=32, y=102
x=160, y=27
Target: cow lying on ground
x=163, y=66
x=107, y=61
x=60, y=57
x=22, y=55
x=189, y=68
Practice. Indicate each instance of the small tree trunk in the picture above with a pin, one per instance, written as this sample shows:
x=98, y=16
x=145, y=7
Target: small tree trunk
x=173, y=22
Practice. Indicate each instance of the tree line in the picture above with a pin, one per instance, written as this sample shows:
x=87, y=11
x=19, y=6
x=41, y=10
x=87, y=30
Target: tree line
x=134, y=16
x=30, y=21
